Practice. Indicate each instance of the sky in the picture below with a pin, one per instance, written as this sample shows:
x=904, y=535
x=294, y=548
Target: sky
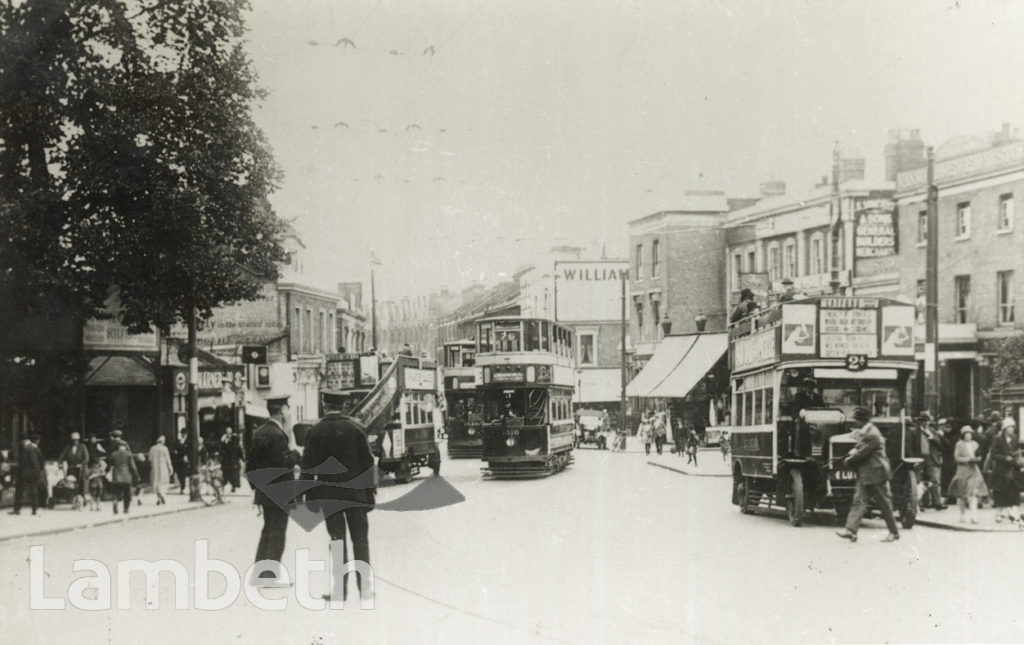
x=459, y=139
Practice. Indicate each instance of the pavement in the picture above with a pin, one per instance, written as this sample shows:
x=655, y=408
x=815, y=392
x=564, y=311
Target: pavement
x=950, y=519
x=63, y=518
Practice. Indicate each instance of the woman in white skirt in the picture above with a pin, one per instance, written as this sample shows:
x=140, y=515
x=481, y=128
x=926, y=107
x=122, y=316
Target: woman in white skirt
x=968, y=486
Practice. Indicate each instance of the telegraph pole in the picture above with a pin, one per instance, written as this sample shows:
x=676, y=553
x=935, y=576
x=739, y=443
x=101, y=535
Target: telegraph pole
x=373, y=312
x=837, y=221
x=193, y=405
x=931, y=321
x=623, y=276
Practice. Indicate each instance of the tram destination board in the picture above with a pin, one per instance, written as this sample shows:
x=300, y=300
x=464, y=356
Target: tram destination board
x=849, y=331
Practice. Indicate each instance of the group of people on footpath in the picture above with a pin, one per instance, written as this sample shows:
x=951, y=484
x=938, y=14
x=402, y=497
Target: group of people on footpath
x=988, y=460
x=95, y=470
x=653, y=430
x=980, y=463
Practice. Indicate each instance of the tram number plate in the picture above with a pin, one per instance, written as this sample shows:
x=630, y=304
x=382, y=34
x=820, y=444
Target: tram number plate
x=845, y=475
x=511, y=432
x=856, y=362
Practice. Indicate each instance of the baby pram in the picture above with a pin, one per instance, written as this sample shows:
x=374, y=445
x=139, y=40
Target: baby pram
x=67, y=490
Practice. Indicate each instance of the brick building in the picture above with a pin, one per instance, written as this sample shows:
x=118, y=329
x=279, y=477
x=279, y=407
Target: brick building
x=676, y=279
x=981, y=268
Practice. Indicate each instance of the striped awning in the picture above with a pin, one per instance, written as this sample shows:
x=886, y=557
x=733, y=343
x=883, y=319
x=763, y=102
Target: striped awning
x=679, y=363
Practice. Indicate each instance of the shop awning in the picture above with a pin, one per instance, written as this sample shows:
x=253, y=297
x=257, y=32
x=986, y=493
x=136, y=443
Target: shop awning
x=678, y=364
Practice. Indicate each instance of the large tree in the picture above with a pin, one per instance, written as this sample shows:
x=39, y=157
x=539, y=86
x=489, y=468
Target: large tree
x=130, y=157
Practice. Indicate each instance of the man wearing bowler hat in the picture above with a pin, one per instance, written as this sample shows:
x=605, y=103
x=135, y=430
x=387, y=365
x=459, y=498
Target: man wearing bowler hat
x=873, y=474
x=271, y=449
x=343, y=439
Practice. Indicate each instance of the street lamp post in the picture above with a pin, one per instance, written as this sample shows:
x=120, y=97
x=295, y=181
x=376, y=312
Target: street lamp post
x=931, y=330
x=700, y=320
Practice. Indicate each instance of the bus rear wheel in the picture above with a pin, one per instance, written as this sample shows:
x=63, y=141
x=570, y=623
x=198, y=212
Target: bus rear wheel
x=795, y=499
x=743, y=495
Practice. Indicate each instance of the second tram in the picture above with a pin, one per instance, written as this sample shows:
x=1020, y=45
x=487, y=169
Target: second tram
x=526, y=392
x=798, y=372
x=462, y=415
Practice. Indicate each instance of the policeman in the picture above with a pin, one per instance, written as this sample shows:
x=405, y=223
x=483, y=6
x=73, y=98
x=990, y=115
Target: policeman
x=343, y=439
x=271, y=449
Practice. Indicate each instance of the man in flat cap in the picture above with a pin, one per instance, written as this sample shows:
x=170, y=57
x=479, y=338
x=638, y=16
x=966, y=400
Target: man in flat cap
x=344, y=439
x=271, y=448
x=873, y=474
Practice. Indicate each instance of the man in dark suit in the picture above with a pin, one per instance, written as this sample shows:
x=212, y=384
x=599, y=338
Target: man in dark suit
x=807, y=397
x=31, y=476
x=271, y=448
x=343, y=439
x=873, y=474
x=124, y=475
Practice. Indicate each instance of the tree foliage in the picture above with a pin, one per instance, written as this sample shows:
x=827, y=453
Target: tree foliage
x=129, y=158
x=1008, y=364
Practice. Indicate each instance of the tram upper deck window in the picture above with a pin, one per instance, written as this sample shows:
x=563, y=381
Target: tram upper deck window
x=758, y=407
x=485, y=331
x=532, y=340
x=468, y=357
x=508, y=337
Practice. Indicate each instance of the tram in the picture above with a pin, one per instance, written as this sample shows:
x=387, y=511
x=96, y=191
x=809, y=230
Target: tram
x=798, y=370
x=462, y=415
x=526, y=390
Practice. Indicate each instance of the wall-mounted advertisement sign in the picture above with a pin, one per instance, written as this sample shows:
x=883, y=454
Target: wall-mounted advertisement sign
x=112, y=336
x=875, y=228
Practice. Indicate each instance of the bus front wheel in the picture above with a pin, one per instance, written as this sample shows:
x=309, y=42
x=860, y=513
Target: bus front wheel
x=743, y=495
x=795, y=499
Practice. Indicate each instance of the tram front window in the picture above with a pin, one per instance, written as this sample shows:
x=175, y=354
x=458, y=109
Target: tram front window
x=528, y=404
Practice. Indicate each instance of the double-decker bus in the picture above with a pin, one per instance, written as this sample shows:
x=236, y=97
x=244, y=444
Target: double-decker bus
x=526, y=390
x=798, y=370
x=462, y=414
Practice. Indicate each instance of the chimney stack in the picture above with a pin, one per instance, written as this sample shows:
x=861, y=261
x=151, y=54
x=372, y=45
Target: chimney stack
x=905, y=152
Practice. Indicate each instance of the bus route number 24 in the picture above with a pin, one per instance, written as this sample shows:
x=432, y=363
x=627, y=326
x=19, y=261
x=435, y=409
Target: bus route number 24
x=856, y=362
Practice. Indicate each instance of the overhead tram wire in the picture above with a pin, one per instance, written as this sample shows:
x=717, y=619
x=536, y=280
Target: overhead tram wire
x=461, y=25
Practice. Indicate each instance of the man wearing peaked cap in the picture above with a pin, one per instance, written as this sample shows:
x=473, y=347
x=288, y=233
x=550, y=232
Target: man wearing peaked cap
x=271, y=448
x=343, y=439
x=873, y=474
